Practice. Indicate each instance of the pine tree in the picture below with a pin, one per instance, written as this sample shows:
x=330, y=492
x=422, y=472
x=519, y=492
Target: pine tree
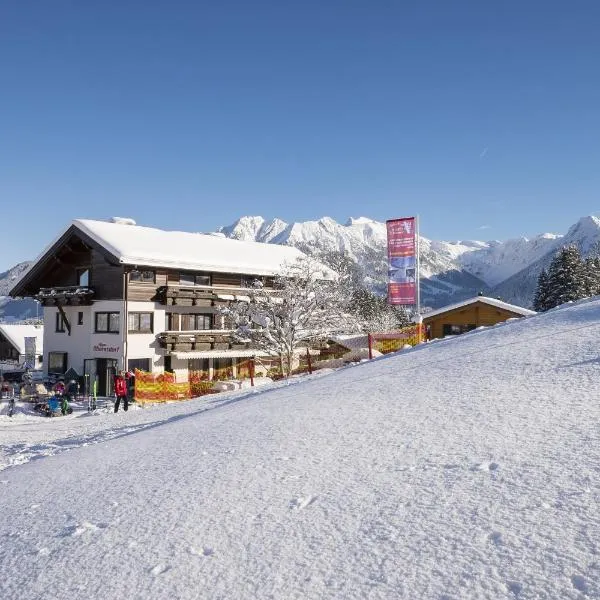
x=374, y=314
x=369, y=311
x=540, y=300
x=566, y=277
x=592, y=276
x=592, y=271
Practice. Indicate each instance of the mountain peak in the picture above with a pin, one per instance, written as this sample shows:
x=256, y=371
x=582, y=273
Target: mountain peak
x=359, y=221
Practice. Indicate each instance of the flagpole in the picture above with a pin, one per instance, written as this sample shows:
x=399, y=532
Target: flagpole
x=418, y=278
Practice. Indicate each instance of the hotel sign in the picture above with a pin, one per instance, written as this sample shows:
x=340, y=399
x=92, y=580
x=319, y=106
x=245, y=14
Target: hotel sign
x=102, y=347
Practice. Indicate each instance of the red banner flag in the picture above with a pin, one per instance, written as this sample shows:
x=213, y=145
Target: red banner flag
x=402, y=261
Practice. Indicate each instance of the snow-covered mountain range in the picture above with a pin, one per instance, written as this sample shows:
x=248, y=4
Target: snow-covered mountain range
x=450, y=271
x=11, y=309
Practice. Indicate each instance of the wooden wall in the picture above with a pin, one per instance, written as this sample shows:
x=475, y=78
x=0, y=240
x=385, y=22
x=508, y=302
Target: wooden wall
x=227, y=279
x=146, y=292
x=105, y=279
x=478, y=314
x=141, y=291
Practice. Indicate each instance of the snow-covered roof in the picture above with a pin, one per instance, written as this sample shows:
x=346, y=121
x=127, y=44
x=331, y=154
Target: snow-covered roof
x=351, y=341
x=16, y=333
x=147, y=246
x=491, y=301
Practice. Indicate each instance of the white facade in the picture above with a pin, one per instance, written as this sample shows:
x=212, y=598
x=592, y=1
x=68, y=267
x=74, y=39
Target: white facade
x=83, y=343
x=145, y=345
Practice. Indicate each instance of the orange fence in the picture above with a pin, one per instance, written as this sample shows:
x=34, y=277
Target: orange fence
x=162, y=387
x=199, y=384
x=396, y=340
x=159, y=388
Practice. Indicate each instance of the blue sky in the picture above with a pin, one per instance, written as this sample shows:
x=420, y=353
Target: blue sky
x=482, y=117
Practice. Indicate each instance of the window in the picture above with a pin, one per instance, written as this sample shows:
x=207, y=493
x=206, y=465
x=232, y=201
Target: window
x=168, y=365
x=193, y=322
x=449, y=329
x=61, y=326
x=249, y=281
x=143, y=364
x=57, y=362
x=142, y=276
x=80, y=318
x=83, y=277
x=139, y=322
x=107, y=322
x=191, y=279
x=222, y=368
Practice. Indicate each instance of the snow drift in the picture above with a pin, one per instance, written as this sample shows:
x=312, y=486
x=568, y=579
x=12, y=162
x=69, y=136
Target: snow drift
x=465, y=468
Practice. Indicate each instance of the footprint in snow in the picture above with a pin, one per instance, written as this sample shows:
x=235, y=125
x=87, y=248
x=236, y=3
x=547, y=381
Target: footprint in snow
x=495, y=537
x=302, y=502
x=579, y=583
x=204, y=551
x=485, y=466
x=515, y=587
x=159, y=569
x=81, y=528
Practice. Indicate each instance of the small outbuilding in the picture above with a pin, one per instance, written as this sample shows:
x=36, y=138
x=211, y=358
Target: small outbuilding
x=467, y=315
x=22, y=343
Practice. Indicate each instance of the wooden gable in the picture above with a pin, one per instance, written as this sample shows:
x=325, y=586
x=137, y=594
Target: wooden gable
x=59, y=265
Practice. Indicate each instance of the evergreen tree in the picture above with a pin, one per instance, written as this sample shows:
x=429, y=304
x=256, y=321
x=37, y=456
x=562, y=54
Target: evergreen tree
x=592, y=271
x=592, y=276
x=540, y=300
x=566, y=277
x=369, y=311
x=373, y=313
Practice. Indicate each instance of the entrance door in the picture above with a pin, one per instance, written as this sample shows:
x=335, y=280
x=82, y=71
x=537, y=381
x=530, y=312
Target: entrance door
x=102, y=370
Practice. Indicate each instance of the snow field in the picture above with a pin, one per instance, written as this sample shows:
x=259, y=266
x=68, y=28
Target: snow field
x=465, y=468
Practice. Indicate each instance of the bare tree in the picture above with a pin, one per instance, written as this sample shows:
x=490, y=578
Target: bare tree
x=305, y=305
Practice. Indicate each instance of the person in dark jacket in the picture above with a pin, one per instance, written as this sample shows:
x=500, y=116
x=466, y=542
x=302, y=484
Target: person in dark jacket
x=121, y=391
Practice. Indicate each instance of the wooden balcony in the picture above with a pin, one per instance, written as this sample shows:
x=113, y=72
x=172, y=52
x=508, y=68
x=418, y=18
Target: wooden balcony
x=199, y=340
x=74, y=295
x=177, y=295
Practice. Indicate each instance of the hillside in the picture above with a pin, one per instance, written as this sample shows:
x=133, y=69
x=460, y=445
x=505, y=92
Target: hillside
x=464, y=468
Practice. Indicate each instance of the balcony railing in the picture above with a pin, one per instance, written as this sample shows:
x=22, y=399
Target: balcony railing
x=65, y=295
x=173, y=295
x=205, y=339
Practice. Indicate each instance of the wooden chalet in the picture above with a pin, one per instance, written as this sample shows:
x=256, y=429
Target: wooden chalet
x=119, y=296
x=461, y=317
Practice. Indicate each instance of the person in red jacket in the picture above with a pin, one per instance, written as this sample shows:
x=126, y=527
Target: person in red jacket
x=121, y=391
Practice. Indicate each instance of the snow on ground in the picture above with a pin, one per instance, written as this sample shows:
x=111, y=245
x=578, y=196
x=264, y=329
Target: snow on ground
x=465, y=468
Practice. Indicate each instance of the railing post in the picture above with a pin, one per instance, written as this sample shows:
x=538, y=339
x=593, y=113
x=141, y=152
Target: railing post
x=370, y=347
x=252, y=372
x=309, y=361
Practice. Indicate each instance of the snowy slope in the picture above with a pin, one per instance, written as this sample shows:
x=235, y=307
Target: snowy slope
x=465, y=468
